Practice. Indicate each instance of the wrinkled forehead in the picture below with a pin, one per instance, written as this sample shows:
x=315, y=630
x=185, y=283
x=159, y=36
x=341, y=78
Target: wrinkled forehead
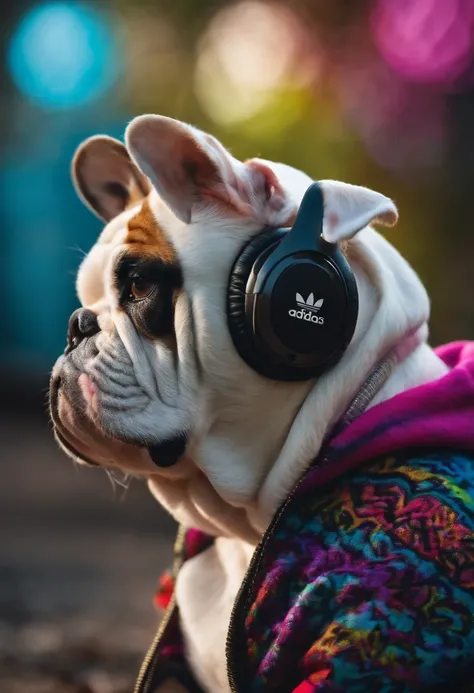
x=135, y=232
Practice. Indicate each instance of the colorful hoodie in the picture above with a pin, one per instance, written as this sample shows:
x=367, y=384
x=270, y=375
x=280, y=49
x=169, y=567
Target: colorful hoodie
x=364, y=581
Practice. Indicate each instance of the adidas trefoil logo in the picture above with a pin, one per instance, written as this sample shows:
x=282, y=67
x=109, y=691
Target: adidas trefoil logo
x=309, y=308
x=310, y=303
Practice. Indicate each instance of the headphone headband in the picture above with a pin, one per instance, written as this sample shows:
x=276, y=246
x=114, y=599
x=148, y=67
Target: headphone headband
x=305, y=234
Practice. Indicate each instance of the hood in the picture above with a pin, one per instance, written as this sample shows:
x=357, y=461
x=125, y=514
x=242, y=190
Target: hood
x=439, y=414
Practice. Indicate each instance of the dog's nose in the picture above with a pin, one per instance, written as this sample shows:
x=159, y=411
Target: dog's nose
x=82, y=323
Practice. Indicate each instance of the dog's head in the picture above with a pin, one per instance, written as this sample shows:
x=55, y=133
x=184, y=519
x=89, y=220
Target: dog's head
x=150, y=372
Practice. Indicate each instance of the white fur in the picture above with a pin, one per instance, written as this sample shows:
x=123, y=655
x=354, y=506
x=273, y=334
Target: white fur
x=349, y=208
x=215, y=576
x=250, y=438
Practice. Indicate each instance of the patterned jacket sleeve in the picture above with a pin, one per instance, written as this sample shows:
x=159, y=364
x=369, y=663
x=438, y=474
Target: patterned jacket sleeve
x=376, y=581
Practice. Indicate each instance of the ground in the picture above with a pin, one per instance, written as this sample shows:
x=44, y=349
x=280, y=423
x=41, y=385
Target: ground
x=78, y=568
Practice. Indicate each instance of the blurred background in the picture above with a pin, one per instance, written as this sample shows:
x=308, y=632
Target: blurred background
x=373, y=92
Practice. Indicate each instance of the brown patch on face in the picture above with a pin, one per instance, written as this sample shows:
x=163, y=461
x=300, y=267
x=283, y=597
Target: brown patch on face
x=151, y=259
x=148, y=238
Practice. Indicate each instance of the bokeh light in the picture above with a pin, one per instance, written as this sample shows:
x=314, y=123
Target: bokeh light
x=63, y=55
x=244, y=57
x=403, y=128
x=429, y=41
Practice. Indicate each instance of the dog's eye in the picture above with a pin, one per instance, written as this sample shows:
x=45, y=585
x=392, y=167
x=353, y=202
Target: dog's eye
x=140, y=288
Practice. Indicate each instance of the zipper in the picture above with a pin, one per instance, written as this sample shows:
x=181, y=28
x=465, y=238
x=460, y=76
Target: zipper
x=148, y=667
x=236, y=651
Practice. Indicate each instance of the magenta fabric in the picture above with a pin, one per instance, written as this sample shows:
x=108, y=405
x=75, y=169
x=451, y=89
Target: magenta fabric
x=439, y=414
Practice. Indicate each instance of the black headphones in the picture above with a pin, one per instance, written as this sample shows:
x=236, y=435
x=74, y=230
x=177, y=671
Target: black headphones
x=292, y=298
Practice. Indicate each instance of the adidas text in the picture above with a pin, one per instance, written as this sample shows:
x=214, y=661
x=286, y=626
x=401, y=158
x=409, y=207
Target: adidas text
x=306, y=315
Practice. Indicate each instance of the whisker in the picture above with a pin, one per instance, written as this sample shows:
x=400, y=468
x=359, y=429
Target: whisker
x=77, y=249
x=127, y=480
x=119, y=479
x=112, y=480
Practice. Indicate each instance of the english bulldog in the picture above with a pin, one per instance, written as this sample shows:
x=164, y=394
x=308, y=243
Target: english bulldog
x=151, y=382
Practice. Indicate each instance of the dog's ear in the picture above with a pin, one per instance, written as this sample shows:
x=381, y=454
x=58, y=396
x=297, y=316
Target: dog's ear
x=106, y=178
x=349, y=208
x=191, y=170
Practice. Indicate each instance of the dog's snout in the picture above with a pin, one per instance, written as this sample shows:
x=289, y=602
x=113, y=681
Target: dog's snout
x=82, y=323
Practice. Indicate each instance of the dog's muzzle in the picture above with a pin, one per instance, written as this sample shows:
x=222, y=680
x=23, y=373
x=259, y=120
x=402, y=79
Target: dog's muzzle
x=66, y=402
x=63, y=441
x=79, y=434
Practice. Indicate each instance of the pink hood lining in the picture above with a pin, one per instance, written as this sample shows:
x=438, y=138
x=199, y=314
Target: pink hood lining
x=437, y=414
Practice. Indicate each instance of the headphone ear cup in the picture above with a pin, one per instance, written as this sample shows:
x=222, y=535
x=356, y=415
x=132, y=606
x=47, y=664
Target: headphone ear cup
x=241, y=332
x=274, y=353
